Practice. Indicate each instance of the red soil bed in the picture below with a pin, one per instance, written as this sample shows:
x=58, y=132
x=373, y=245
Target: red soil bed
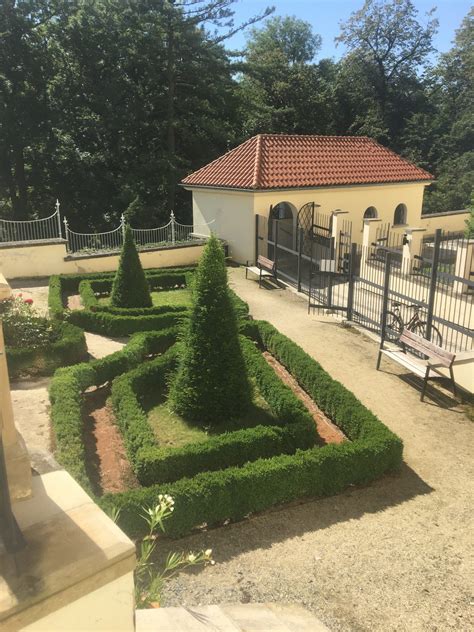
x=106, y=457
x=328, y=432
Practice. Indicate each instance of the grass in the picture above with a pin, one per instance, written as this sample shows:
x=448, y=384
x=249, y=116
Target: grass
x=172, y=430
x=164, y=297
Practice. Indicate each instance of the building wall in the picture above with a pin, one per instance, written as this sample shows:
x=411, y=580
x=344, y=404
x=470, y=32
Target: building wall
x=232, y=217
x=454, y=221
x=353, y=199
x=233, y=212
x=46, y=259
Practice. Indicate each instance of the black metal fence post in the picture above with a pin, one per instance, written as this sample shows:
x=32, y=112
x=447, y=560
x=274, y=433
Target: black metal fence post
x=300, y=252
x=433, y=280
x=256, y=236
x=330, y=273
x=350, y=293
x=275, y=257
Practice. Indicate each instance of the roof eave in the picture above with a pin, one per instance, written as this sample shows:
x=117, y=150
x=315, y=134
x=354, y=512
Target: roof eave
x=189, y=186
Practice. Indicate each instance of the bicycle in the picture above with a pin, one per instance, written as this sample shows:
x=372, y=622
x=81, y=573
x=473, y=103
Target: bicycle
x=395, y=324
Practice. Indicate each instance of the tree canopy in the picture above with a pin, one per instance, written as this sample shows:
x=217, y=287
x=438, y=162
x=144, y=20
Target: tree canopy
x=107, y=104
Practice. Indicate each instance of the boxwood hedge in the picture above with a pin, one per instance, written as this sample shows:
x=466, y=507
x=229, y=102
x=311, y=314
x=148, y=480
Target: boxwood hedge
x=214, y=496
x=68, y=384
x=292, y=428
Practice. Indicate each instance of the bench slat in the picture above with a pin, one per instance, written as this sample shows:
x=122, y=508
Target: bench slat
x=446, y=358
x=405, y=360
x=263, y=262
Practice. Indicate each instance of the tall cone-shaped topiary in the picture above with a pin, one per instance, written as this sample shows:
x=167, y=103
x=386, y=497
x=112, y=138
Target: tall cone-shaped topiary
x=130, y=287
x=211, y=383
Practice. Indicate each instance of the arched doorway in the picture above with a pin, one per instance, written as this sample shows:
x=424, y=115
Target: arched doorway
x=285, y=214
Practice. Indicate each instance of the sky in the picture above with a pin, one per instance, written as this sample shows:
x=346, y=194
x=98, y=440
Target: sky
x=325, y=16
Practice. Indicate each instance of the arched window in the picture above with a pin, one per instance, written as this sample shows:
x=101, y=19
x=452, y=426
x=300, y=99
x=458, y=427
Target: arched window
x=400, y=215
x=371, y=213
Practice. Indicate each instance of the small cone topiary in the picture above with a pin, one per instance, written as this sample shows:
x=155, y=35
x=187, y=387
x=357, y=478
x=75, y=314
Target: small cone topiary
x=130, y=287
x=211, y=383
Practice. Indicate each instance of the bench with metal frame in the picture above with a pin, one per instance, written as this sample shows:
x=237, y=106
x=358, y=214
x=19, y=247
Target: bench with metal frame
x=436, y=358
x=264, y=268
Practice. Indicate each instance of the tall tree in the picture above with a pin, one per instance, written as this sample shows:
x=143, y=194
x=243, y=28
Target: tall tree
x=388, y=48
x=281, y=89
x=25, y=65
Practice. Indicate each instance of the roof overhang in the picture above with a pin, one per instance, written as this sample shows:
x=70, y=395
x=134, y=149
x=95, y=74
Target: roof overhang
x=191, y=187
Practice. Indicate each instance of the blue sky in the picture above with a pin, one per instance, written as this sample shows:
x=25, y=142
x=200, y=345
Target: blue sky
x=325, y=15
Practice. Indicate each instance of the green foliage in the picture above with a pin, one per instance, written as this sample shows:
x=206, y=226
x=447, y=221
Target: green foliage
x=234, y=492
x=130, y=287
x=470, y=221
x=23, y=326
x=293, y=429
x=117, y=326
x=68, y=384
x=66, y=345
x=211, y=381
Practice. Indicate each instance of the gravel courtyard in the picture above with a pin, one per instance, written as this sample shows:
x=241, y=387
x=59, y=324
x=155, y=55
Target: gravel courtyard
x=396, y=555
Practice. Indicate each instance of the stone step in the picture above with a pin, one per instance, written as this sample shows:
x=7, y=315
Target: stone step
x=255, y=617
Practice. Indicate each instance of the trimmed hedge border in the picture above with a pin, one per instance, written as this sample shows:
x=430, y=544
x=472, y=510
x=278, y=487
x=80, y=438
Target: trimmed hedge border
x=293, y=429
x=163, y=278
x=69, y=348
x=233, y=493
x=117, y=322
x=68, y=385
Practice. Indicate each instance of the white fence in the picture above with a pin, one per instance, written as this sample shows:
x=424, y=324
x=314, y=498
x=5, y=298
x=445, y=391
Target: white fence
x=170, y=234
x=13, y=232
x=33, y=230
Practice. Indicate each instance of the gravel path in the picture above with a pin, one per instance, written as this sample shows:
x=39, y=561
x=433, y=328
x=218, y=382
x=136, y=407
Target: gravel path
x=396, y=555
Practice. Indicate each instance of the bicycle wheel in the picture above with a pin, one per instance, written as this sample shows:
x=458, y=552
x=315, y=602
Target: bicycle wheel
x=436, y=337
x=393, y=326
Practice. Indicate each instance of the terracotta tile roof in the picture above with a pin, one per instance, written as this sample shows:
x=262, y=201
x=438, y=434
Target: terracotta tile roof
x=277, y=161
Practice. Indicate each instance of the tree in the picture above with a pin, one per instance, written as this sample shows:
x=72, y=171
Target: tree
x=25, y=65
x=281, y=89
x=388, y=47
x=130, y=287
x=211, y=383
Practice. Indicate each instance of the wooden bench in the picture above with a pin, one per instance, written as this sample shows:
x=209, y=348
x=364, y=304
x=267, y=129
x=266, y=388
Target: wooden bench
x=264, y=268
x=436, y=358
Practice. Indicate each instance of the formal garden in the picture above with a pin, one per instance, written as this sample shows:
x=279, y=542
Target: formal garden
x=204, y=416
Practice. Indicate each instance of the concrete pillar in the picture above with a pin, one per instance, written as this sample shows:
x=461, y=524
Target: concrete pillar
x=369, y=233
x=16, y=455
x=412, y=246
x=464, y=259
x=336, y=227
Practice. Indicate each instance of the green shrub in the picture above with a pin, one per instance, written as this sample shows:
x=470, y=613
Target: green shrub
x=293, y=429
x=211, y=381
x=116, y=325
x=67, y=346
x=68, y=384
x=233, y=493
x=130, y=287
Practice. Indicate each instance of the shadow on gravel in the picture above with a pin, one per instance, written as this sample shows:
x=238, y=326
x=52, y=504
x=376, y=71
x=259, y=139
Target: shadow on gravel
x=266, y=529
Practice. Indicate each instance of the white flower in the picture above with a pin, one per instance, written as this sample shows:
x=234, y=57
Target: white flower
x=208, y=552
x=191, y=557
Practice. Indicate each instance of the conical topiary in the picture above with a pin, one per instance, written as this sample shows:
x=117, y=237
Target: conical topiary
x=130, y=287
x=211, y=383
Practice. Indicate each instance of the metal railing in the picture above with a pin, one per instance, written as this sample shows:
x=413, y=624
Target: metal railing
x=170, y=234
x=32, y=230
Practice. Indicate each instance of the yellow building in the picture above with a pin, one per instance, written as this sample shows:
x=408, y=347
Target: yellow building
x=290, y=177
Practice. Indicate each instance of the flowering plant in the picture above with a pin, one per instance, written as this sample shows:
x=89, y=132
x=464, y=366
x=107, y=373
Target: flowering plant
x=149, y=582
x=22, y=325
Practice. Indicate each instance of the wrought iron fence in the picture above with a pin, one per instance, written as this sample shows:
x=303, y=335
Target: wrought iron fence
x=32, y=230
x=170, y=234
